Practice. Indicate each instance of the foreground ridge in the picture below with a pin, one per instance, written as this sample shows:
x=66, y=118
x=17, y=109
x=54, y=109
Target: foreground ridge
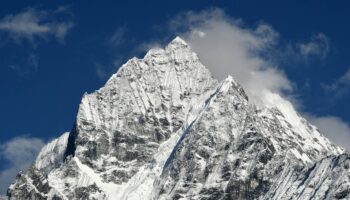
x=163, y=128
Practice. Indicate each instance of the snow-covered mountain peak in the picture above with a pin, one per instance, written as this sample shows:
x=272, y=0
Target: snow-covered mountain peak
x=163, y=128
x=178, y=42
x=177, y=56
x=229, y=82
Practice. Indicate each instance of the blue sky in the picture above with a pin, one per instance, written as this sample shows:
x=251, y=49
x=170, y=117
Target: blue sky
x=51, y=53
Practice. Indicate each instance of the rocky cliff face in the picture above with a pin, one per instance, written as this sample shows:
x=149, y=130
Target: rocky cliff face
x=163, y=128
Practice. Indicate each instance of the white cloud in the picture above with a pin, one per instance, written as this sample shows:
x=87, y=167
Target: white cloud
x=336, y=129
x=318, y=46
x=31, y=24
x=20, y=153
x=226, y=46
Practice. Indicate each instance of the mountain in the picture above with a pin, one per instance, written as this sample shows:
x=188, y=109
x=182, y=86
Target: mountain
x=163, y=128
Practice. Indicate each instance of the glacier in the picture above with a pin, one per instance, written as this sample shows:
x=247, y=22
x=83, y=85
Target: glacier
x=163, y=127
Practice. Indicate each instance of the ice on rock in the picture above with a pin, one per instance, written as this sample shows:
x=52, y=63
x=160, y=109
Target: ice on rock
x=163, y=128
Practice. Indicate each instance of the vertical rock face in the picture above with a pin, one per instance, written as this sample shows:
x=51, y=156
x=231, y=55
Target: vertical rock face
x=163, y=128
x=120, y=126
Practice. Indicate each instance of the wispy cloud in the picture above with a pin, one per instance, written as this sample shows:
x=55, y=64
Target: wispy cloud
x=61, y=30
x=117, y=37
x=32, y=24
x=64, y=9
x=226, y=46
x=101, y=71
x=20, y=153
x=318, y=46
x=340, y=86
x=302, y=52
